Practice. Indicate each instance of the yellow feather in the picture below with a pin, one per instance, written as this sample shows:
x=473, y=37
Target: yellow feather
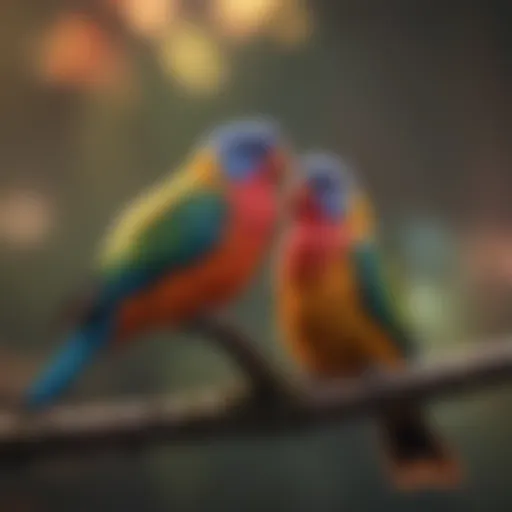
x=150, y=205
x=361, y=217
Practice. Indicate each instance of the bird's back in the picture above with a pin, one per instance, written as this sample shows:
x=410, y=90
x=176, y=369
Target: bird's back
x=121, y=237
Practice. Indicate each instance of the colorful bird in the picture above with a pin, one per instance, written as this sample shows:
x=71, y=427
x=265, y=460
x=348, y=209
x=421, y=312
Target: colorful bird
x=337, y=311
x=188, y=245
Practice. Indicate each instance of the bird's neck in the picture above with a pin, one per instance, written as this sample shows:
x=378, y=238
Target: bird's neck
x=255, y=205
x=312, y=244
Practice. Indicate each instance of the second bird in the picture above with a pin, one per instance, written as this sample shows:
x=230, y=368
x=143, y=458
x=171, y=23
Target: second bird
x=338, y=316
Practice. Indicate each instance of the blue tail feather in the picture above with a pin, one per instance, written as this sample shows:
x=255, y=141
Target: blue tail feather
x=65, y=367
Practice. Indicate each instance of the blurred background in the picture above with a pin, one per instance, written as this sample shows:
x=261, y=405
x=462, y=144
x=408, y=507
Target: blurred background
x=98, y=98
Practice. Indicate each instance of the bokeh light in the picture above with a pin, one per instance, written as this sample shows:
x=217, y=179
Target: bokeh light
x=75, y=51
x=241, y=19
x=487, y=255
x=149, y=18
x=424, y=304
x=26, y=217
x=194, y=60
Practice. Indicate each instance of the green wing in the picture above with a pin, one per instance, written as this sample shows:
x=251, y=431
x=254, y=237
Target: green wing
x=376, y=294
x=179, y=236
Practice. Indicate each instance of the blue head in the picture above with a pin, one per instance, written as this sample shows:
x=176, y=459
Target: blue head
x=250, y=151
x=324, y=187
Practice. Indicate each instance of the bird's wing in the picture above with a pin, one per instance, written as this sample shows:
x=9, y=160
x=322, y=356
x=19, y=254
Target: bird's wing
x=182, y=233
x=377, y=295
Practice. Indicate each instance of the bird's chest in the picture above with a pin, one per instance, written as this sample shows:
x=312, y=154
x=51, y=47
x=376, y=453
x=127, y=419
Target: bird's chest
x=323, y=320
x=244, y=246
x=318, y=280
x=331, y=300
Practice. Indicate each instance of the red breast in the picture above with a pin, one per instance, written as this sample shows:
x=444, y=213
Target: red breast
x=311, y=246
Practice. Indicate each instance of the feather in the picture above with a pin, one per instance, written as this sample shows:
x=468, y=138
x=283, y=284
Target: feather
x=375, y=292
x=66, y=365
x=181, y=236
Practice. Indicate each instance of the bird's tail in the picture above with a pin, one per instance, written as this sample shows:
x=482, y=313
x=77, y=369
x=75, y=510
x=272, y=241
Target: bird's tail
x=416, y=457
x=65, y=367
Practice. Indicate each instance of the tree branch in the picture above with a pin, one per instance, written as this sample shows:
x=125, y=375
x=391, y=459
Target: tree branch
x=266, y=384
x=233, y=412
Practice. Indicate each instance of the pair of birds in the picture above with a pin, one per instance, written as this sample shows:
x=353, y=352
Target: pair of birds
x=192, y=243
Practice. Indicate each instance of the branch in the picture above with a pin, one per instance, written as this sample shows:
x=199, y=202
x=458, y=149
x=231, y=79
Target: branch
x=234, y=413
x=265, y=382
